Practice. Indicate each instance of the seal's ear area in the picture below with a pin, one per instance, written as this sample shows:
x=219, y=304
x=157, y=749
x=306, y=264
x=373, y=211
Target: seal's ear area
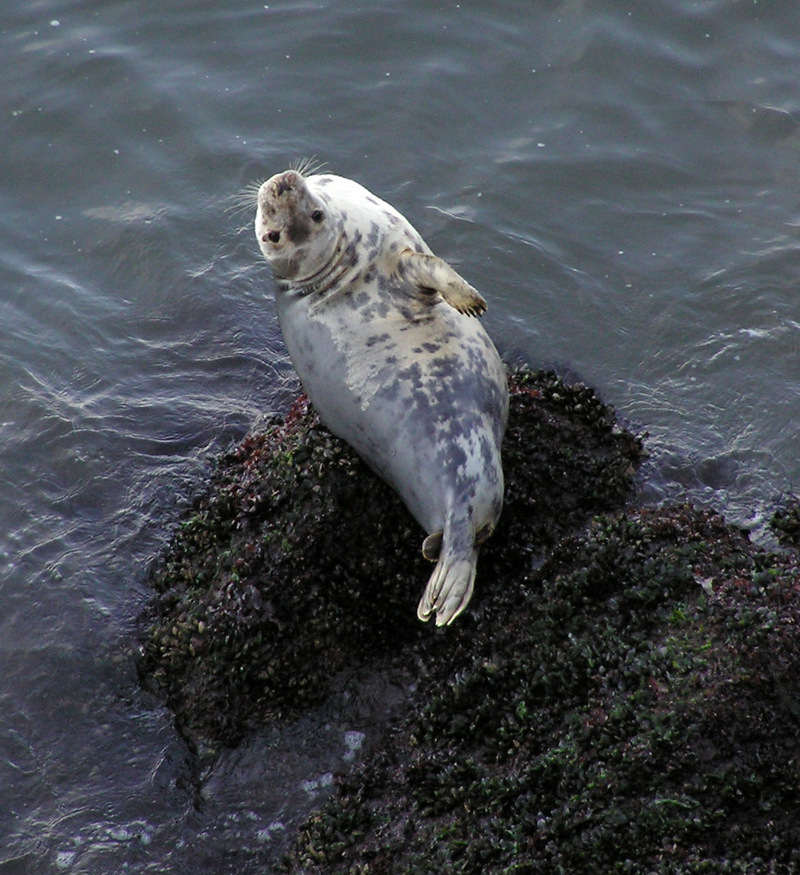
x=429, y=273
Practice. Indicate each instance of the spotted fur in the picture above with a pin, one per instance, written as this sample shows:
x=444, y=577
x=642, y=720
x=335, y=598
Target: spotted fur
x=380, y=334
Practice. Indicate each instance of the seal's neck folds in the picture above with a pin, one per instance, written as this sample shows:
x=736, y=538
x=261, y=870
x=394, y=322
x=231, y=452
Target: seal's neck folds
x=330, y=276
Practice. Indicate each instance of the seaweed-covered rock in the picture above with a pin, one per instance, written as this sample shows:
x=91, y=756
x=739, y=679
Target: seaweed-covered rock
x=637, y=711
x=623, y=693
x=785, y=522
x=299, y=562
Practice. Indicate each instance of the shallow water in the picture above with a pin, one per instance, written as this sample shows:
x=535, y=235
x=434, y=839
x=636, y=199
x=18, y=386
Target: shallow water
x=619, y=179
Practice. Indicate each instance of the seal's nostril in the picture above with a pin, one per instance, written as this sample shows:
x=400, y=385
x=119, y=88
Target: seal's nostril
x=283, y=186
x=272, y=236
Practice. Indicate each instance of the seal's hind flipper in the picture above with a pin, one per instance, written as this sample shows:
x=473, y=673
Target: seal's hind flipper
x=483, y=534
x=428, y=273
x=450, y=588
x=432, y=546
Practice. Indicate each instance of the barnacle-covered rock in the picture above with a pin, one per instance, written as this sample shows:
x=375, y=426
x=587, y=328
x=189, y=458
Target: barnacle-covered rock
x=638, y=713
x=298, y=561
x=621, y=695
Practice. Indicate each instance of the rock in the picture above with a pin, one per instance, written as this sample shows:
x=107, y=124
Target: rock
x=622, y=694
x=785, y=522
x=298, y=561
x=625, y=719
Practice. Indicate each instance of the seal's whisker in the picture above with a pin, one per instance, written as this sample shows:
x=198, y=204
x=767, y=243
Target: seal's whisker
x=308, y=166
x=243, y=201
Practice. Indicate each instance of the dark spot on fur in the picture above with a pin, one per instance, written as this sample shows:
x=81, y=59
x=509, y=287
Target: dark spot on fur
x=297, y=231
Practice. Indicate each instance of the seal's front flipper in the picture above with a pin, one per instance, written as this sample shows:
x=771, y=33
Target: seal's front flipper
x=429, y=274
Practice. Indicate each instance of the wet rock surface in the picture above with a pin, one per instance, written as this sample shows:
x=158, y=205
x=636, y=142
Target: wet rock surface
x=638, y=712
x=622, y=692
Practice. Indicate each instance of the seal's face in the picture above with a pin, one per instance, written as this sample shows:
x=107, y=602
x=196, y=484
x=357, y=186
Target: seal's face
x=296, y=230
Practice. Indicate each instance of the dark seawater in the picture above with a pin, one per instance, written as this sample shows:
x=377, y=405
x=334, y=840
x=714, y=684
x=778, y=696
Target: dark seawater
x=620, y=179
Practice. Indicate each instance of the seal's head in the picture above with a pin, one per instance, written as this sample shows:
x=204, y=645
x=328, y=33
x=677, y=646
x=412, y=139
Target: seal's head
x=295, y=228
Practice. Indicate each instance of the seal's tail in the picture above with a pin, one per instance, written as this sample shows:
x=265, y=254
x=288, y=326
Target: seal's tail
x=450, y=588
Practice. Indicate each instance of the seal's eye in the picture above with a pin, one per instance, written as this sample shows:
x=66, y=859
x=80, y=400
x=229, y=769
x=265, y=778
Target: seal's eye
x=317, y=216
x=273, y=236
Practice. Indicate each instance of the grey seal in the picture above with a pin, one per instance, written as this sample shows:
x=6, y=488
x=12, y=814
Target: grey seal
x=384, y=338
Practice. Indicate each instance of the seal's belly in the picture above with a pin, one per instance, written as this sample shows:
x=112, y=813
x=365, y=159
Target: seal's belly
x=418, y=400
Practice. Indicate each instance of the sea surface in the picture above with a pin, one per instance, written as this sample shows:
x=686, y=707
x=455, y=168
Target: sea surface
x=619, y=178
